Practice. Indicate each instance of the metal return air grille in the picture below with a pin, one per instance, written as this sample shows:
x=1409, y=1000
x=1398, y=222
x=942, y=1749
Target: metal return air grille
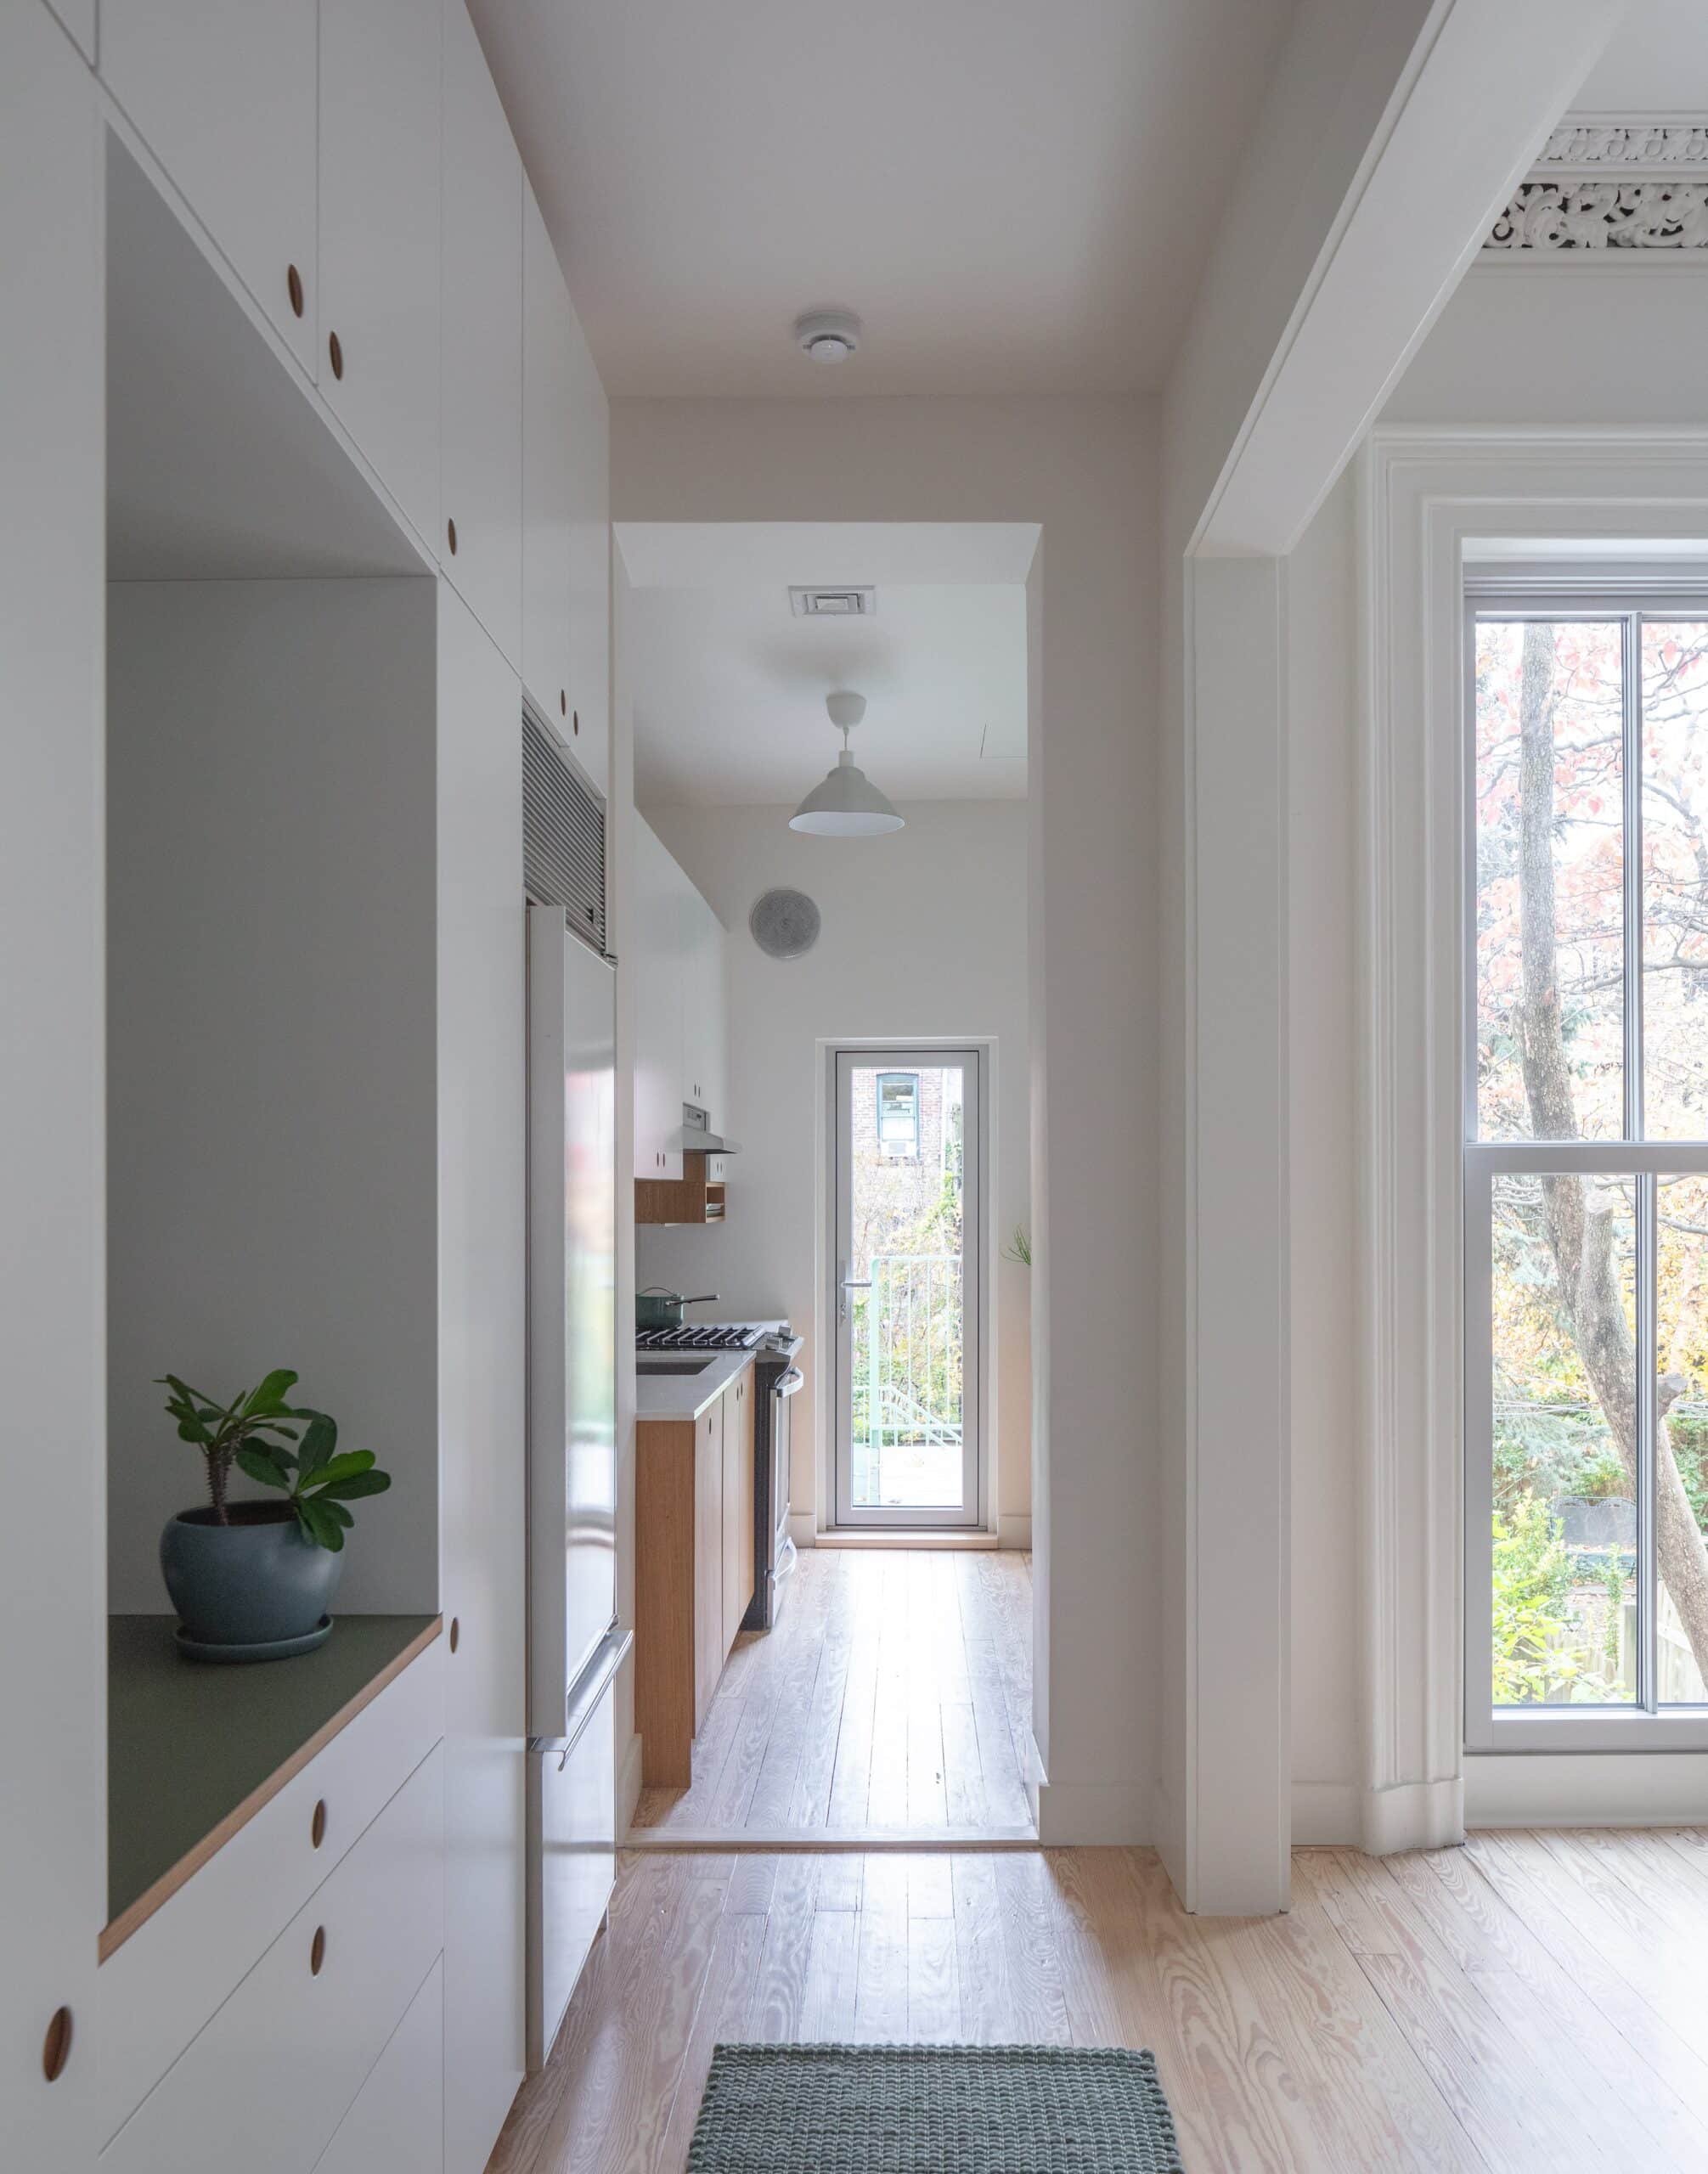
x=563, y=836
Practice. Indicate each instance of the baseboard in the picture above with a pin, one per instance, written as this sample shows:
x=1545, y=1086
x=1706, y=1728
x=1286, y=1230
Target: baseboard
x=814, y=1841
x=1015, y=1532
x=1092, y=1814
x=1412, y=1815
x=629, y=1782
x=1587, y=1788
x=940, y=1542
x=802, y=1529
x=1328, y=1814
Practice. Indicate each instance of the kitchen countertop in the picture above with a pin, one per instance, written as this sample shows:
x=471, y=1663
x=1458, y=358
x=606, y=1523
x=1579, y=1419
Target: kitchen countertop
x=195, y=1748
x=684, y=1397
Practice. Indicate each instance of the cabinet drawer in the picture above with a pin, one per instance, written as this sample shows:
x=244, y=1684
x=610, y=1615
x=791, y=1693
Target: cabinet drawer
x=395, y=2126
x=266, y=2084
x=156, y=1991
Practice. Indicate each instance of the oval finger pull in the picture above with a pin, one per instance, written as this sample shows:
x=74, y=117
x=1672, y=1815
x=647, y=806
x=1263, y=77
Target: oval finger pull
x=56, y=2046
x=293, y=282
x=451, y=536
x=317, y=1825
x=316, y=1950
x=456, y=1632
x=334, y=349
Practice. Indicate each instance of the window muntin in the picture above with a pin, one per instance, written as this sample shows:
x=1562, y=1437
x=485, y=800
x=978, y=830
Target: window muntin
x=1587, y=1248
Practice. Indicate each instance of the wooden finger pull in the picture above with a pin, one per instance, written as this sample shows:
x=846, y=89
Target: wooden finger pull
x=456, y=1633
x=56, y=2046
x=316, y=1950
x=575, y=724
x=335, y=350
x=563, y=702
x=293, y=282
x=451, y=536
x=317, y=1825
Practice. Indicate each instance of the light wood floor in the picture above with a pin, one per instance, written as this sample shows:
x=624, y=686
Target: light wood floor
x=894, y=1696
x=1529, y=2004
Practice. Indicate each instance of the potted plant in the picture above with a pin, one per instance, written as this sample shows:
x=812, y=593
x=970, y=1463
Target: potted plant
x=254, y=1579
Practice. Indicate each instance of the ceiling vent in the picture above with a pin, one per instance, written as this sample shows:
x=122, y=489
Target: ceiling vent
x=833, y=603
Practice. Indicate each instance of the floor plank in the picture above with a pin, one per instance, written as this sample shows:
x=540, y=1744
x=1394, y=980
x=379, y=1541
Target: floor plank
x=894, y=1695
x=1518, y=2004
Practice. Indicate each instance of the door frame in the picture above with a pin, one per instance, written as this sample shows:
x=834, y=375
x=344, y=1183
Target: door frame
x=978, y=1402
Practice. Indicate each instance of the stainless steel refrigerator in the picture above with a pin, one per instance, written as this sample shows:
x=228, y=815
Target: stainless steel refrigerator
x=574, y=1647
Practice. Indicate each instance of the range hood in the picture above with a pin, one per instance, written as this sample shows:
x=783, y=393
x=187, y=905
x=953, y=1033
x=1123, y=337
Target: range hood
x=694, y=1135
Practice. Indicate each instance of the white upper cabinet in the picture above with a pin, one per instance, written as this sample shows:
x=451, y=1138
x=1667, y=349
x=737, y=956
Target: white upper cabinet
x=702, y=1013
x=379, y=351
x=589, y=543
x=657, y=966
x=224, y=93
x=480, y=532
x=547, y=421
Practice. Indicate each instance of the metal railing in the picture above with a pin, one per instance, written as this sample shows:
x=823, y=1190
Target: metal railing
x=909, y=1353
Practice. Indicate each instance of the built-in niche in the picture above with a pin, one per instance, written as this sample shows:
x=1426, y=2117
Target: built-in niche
x=272, y=1071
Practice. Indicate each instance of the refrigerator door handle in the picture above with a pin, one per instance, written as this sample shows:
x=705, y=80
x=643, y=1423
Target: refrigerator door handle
x=581, y=1700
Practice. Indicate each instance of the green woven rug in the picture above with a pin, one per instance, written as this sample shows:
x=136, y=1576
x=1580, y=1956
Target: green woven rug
x=932, y=2109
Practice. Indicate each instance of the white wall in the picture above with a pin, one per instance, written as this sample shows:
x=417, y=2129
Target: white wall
x=924, y=935
x=1087, y=471
x=1534, y=345
x=1323, y=1239
x=272, y=1098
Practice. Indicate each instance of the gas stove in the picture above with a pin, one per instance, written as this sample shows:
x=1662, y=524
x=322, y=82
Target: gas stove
x=711, y=1336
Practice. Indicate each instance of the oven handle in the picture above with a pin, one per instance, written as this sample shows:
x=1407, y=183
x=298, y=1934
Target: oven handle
x=789, y=1380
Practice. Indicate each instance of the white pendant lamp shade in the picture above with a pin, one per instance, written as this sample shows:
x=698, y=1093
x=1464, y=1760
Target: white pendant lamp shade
x=846, y=803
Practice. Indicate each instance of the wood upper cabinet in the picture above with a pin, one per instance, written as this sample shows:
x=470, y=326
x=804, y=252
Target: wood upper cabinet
x=739, y=1481
x=548, y=422
x=480, y=344
x=224, y=95
x=378, y=355
x=590, y=549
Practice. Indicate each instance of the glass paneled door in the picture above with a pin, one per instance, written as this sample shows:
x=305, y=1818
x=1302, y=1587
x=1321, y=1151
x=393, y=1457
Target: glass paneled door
x=908, y=1172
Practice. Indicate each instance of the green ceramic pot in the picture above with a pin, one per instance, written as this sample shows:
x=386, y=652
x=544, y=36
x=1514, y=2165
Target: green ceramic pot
x=254, y=1581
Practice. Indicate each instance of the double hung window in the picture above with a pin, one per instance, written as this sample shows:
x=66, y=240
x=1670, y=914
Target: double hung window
x=1586, y=1164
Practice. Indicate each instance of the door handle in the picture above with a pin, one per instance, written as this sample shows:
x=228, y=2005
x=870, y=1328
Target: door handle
x=845, y=1283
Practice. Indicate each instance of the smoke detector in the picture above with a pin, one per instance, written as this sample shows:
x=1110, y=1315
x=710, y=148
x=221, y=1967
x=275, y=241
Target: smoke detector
x=828, y=335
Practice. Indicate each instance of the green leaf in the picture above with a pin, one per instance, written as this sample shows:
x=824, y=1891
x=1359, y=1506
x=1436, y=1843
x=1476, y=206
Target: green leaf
x=261, y=1467
x=354, y=1489
x=337, y=1512
x=319, y=1440
x=340, y=1467
x=192, y=1430
x=269, y=1395
x=320, y=1524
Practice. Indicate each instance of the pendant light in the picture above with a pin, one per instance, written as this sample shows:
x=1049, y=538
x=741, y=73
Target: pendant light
x=845, y=804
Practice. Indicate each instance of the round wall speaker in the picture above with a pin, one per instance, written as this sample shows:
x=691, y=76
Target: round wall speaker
x=785, y=924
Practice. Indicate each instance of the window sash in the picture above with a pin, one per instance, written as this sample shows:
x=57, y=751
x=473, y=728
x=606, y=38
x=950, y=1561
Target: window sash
x=1628, y=597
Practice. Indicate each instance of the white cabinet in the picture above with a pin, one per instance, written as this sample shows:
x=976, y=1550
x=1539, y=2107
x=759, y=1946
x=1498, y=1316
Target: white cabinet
x=655, y=969
x=79, y=18
x=481, y=1376
x=589, y=543
x=379, y=314
x=395, y=2126
x=546, y=422
x=224, y=96
x=702, y=1011
x=480, y=534
x=572, y=1827
x=53, y=1660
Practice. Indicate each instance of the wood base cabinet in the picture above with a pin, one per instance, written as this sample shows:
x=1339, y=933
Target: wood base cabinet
x=694, y=1572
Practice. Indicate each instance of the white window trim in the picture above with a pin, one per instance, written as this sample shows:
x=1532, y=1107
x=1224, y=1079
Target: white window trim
x=1423, y=496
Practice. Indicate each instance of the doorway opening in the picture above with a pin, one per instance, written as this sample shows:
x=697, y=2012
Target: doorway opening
x=906, y=1300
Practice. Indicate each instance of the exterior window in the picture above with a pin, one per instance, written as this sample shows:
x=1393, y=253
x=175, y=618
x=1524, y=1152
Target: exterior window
x=1586, y=1170
x=897, y=1114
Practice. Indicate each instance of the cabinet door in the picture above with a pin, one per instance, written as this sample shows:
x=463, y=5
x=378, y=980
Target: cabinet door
x=224, y=96
x=53, y=1335
x=379, y=353
x=656, y=970
x=589, y=539
x=79, y=18
x=395, y=2127
x=702, y=1009
x=481, y=1374
x=738, y=1505
x=546, y=422
x=709, y=1643
x=480, y=537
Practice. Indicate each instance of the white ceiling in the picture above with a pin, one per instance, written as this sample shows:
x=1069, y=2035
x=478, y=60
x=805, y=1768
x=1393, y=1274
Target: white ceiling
x=730, y=686
x=1014, y=194
x=1656, y=63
